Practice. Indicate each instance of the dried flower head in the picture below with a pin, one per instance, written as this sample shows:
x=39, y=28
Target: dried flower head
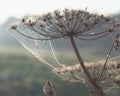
x=14, y=25
x=117, y=41
x=49, y=89
x=30, y=21
x=111, y=74
x=63, y=24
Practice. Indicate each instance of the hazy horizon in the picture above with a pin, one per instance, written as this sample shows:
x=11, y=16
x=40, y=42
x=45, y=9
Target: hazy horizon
x=19, y=8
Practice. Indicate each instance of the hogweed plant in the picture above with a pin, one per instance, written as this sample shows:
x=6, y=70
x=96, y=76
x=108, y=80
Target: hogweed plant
x=71, y=25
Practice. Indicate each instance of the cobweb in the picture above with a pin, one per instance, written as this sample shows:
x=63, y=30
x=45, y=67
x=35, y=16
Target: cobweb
x=42, y=49
x=45, y=50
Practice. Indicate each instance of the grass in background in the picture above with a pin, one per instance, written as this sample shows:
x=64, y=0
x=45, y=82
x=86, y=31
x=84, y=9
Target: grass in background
x=21, y=74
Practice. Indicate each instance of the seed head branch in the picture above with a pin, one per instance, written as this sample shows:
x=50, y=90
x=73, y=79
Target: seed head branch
x=115, y=40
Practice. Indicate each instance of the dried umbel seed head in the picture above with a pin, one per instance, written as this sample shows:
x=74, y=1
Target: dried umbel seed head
x=117, y=41
x=76, y=74
x=118, y=66
x=46, y=17
x=30, y=21
x=58, y=14
x=14, y=25
x=66, y=23
x=49, y=89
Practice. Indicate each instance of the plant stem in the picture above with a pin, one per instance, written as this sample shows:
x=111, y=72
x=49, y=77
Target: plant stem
x=96, y=88
x=108, y=55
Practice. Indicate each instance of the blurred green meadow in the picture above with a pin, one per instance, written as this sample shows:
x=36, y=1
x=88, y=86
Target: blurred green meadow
x=21, y=74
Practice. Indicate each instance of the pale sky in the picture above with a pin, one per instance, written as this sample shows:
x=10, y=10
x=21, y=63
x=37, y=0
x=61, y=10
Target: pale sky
x=19, y=8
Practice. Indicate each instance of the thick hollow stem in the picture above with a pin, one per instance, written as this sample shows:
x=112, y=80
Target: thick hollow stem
x=97, y=89
x=80, y=59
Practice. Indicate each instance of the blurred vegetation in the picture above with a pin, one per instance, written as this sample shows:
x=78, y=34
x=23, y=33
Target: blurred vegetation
x=21, y=74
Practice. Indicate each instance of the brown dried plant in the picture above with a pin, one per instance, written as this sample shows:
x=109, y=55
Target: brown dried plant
x=49, y=89
x=79, y=24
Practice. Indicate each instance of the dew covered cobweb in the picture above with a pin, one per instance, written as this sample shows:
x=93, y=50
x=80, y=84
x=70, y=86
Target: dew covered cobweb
x=40, y=49
x=48, y=52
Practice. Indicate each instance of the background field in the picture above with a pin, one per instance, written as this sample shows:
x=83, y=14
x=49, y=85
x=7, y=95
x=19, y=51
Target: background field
x=21, y=74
